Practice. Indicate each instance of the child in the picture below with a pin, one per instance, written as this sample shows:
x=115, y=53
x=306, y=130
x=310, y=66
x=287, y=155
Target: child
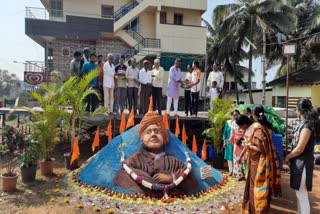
x=214, y=93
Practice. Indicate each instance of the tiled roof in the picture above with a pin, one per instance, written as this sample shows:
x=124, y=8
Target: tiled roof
x=305, y=76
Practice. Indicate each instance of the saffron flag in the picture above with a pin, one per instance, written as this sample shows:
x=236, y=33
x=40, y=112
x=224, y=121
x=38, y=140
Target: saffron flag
x=75, y=150
x=122, y=127
x=96, y=139
x=165, y=120
x=184, y=135
x=194, y=145
x=177, y=132
x=130, y=119
x=150, y=104
x=109, y=131
x=204, y=150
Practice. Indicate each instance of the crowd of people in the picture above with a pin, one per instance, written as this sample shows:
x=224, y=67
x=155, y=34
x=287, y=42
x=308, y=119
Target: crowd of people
x=251, y=156
x=123, y=84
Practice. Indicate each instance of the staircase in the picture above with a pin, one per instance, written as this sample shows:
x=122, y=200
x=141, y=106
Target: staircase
x=130, y=11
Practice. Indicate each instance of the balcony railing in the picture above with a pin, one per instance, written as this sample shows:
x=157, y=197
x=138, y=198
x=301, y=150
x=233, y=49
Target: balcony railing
x=125, y=9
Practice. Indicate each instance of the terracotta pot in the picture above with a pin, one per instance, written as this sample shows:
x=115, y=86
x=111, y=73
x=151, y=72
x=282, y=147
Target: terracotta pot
x=28, y=174
x=9, y=183
x=46, y=168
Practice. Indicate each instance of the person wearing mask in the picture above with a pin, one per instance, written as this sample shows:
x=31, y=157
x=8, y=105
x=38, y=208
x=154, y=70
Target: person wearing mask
x=174, y=81
x=216, y=75
x=85, y=57
x=145, y=79
x=187, y=91
x=108, y=83
x=121, y=85
x=157, y=82
x=92, y=99
x=263, y=179
x=75, y=67
x=100, y=80
x=301, y=159
x=132, y=75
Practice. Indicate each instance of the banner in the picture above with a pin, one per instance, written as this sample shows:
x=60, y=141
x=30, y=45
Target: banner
x=36, y=78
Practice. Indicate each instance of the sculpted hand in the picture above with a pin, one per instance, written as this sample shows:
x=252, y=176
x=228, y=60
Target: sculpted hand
x=162, y=178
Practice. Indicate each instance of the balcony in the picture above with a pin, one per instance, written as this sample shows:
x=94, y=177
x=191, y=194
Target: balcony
x=40, y=23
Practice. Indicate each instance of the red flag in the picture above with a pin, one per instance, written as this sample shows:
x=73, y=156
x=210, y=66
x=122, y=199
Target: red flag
x=109, y=131
x=204, y=150
x=165, y=120
x=184, y=135
x=122, y=127
x=75, y=150
x=150, y=104
x=130, y=119
x=177, y=132
x=96, y=139
x=194, y=145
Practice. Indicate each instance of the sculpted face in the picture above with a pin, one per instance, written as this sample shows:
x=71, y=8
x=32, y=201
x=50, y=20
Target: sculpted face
x=152, y=139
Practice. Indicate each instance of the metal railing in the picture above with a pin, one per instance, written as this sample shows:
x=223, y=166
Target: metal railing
x=135, y=35
x=125, y=9
x=42, y=13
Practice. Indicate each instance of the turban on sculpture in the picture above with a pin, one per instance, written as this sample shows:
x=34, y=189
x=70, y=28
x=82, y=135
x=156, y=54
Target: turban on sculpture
x=153, y=118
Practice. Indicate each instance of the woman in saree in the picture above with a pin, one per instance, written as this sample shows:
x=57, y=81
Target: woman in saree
x=263, y=166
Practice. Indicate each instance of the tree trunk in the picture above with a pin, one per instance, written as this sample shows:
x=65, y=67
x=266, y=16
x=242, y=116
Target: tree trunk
x=235, y=73
x=250, y=63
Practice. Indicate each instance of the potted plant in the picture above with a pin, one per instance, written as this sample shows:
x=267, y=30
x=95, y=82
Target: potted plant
x=29, y=160
x=218, y=118
x=75, y=92
x=9, y=177
x=46, y=124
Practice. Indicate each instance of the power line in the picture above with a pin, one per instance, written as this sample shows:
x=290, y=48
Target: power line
x=294, y=39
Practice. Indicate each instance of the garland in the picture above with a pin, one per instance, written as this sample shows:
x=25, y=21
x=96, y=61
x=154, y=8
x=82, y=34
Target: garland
x=157, y=187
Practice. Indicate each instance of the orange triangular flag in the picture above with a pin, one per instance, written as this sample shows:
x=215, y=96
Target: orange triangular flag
x=75, y=150
x=204, y=150
x=96, y=139
x=177, y=132
x=184, y=135
x=122, y=127
x=194, y=145
x=165, y=120
x=150, y=104
x=130, y=119
x=109, y=131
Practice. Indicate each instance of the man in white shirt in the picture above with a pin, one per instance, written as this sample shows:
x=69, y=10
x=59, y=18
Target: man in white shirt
x=120, y=91
x=216, y=75
x=108, y=83
x=157, y=82
x=195, y=89
x=132, y=75
x=145, y=79
x=187, y=91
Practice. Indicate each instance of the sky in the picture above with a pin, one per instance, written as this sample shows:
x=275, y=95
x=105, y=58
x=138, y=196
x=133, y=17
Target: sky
x=16, y=46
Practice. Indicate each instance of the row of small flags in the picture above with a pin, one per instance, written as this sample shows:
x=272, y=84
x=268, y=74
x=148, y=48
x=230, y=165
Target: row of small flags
x=125, y=125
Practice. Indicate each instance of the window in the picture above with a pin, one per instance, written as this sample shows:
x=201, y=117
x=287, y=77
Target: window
x=281, y=102
x=178, y=19
x=106, y=11
x=163, y=17
x=56, y=8
x=134, y=25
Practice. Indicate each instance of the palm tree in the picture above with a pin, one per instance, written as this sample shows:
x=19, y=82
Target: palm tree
x=236, y=24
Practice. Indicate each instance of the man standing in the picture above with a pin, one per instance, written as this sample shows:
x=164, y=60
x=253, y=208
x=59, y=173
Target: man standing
x=108, y=83
x=216, y=75
x=85, y=57
x=121, y=85
x=100, y=81
x=174, y=81
x=75, y=68
x=187, y=91
x=132, y=75
x=195, y=89
x=92, y=99
x=157, y=74
x=145, y=80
